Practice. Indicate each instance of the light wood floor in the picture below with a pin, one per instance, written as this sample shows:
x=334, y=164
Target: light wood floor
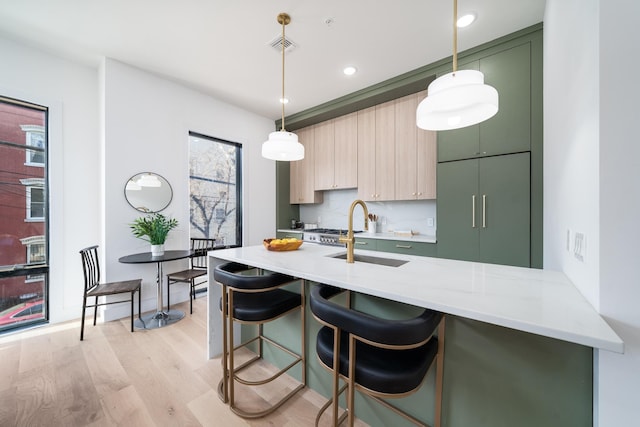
x=114, y=377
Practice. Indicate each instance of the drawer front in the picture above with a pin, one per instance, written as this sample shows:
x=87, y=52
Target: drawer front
x=407, y=247
x=368, y=244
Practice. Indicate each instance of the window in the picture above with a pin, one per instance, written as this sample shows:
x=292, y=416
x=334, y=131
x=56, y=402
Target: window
x=215, y=189
x=24, y=250
x=34, y=135
x=35, y=199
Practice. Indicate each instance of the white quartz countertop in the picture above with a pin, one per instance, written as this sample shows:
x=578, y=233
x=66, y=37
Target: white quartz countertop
x=542, y=302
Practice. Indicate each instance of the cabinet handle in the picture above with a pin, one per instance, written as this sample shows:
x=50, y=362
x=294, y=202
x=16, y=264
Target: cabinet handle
x=361, y=243
x=484, y=211
x=403, y=246
x=473, y=211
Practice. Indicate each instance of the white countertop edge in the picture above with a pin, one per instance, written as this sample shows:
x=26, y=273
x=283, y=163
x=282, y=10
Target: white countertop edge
x=586, y=327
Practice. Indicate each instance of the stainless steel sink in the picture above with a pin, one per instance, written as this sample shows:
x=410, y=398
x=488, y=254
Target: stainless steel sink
x=390, y=262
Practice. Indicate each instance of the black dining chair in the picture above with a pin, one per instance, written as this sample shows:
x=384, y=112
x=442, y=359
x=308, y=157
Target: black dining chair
x=194, y=275
x=250, y=296
x=378, y=357
x=93, y=287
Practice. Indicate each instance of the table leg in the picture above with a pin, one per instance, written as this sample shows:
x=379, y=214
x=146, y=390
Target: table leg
x=160, y=318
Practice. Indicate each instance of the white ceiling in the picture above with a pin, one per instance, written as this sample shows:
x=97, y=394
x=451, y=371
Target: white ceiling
x=220, y=47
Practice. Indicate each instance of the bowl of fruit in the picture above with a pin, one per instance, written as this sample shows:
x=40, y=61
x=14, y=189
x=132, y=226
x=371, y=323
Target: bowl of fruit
x=279, y=245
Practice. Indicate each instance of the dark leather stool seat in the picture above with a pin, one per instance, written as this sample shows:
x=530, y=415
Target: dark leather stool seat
x=391, y=357
x=255, y=299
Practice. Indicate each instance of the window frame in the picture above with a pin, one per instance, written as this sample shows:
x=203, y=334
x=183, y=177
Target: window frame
x=31, y=132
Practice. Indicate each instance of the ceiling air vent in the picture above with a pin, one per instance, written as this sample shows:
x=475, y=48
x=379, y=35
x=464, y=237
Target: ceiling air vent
x=276, y=44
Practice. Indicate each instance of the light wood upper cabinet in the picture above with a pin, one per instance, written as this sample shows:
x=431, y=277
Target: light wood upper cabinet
x=376, y=152
x=415, y=153
x=367, y=154
x=336, y=151
x=346, y=151
x=302, y=188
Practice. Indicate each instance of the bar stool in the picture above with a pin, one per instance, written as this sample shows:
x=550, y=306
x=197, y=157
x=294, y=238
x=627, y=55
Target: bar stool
x=380, y=358
x=255, y=299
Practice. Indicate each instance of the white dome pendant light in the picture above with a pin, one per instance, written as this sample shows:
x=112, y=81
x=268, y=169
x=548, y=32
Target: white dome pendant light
x=283, y=145
x=457, y=99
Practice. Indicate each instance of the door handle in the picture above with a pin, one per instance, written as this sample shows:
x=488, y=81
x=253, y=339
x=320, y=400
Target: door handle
x=473, y=211
x=484, y=211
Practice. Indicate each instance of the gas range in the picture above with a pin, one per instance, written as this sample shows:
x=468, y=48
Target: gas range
x=325, y=236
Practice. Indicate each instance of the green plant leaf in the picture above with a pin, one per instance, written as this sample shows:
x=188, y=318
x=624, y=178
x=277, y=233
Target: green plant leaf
x=153, y=228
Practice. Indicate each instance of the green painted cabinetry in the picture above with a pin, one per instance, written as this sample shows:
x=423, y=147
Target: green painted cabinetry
x=407, y=247
x=368, y=244
x=484, y=210
x=509, y=131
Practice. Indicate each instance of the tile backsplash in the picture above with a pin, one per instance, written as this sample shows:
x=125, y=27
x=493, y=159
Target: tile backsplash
x=395, y=215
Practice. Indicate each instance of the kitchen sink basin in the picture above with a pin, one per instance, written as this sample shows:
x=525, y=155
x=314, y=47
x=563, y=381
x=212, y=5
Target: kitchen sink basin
x=390, y=262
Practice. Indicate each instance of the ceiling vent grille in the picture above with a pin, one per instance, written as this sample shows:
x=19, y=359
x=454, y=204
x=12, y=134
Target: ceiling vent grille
x=276, y=44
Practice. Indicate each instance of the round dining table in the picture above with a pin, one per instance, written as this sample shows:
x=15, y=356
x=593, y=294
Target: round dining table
x=161, y=317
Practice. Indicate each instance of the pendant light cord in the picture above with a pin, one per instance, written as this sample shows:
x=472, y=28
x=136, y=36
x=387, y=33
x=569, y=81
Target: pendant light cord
x=455, y=35
x=282, y=99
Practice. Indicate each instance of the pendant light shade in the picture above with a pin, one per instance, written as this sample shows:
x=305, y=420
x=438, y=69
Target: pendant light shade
x=283, y=145
x=458, y=99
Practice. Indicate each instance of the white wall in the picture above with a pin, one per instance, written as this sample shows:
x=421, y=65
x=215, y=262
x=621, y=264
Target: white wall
x=619, y=375
x=146, y=123
x=592, y=176
x=71, y=93
x=571, y=156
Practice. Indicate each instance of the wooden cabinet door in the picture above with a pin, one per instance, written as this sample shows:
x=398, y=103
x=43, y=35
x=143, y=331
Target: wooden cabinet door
x=367, y=154
x=505, y=199
x=346, y=151
x=416, y=155
x=406, y=147
x=427, y=158
x=385, y=151
x=302, y=189
x=324, y=155
x=457, y=209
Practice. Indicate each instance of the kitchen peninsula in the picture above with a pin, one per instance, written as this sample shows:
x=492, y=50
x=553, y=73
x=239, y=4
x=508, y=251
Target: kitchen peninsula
x=515, y=368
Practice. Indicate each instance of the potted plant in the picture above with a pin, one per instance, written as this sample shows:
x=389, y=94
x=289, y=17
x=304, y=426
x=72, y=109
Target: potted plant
x=154, y=229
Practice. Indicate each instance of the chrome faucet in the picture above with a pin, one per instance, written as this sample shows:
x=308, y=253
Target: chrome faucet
x=349, y=239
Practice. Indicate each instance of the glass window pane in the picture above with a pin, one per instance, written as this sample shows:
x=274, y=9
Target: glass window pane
x=23, y=213
x=214, y=184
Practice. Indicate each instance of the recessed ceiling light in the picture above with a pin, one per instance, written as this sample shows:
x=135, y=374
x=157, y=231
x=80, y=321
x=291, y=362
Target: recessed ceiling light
x=349, y=71
x=466, y=20
x=284, y=100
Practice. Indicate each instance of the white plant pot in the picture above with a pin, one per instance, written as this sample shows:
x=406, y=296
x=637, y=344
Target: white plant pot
x=157, y=250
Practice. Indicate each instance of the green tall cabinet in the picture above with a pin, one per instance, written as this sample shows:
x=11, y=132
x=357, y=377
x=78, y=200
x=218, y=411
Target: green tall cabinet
x=489, y=176
x=484, y=210
x=509, y=131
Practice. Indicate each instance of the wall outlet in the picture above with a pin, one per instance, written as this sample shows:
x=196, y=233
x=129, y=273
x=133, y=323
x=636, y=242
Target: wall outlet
x=579, y=246
x=429, y=222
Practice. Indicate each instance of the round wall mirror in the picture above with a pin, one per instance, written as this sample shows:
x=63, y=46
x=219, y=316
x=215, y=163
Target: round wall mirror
x=148, y=192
